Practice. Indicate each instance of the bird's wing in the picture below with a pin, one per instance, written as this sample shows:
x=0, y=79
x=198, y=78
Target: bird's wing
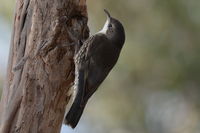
x=96, y=43
x=90, y=46
x=83, y=60
x=81, y=55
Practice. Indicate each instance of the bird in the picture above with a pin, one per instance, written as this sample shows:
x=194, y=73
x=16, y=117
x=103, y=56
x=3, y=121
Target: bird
x=93, y=62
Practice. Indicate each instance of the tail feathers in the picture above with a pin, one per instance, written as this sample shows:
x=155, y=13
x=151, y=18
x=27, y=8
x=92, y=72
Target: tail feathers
x=74, y=115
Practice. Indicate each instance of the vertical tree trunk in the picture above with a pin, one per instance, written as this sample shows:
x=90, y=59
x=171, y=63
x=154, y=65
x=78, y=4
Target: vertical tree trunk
x=40, y=67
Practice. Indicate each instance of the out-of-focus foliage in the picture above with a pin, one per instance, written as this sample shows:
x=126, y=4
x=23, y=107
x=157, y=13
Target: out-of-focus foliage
x=7, y=9
x=6, y=12
x=1, y=86
x=154, y=87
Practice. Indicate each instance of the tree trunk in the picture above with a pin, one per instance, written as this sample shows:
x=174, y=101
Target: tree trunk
x=40, y=68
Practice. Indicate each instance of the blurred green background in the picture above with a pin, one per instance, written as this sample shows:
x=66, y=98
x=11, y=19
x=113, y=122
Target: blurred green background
x=155, y=86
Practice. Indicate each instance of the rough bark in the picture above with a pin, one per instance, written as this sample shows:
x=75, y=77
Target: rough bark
x=40, y=67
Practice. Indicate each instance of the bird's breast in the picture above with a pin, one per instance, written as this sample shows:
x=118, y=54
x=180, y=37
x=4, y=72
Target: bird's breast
x=106, y=57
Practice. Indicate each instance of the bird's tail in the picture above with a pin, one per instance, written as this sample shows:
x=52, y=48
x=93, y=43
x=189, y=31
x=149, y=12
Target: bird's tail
x=73, y=116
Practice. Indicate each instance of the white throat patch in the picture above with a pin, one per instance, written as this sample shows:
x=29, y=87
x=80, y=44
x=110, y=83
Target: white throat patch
x=105, y=28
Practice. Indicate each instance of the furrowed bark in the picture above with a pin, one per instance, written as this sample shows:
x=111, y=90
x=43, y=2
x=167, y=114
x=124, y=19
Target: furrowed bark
x=40, y=68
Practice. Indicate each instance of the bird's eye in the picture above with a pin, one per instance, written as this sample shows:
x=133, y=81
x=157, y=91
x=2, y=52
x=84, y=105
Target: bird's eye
x=110, y=25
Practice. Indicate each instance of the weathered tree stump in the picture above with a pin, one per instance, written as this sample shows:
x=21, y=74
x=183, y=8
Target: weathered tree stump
x=40, y=67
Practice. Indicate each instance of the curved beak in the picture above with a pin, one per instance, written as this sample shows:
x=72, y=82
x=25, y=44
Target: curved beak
x=108, y=14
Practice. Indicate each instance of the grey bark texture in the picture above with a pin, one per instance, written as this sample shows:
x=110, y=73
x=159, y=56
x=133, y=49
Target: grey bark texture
x=40, y=68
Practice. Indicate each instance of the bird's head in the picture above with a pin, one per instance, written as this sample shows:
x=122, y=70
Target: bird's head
x=114, y=30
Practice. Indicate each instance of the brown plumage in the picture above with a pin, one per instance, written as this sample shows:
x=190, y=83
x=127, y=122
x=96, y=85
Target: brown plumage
x=93, y=62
